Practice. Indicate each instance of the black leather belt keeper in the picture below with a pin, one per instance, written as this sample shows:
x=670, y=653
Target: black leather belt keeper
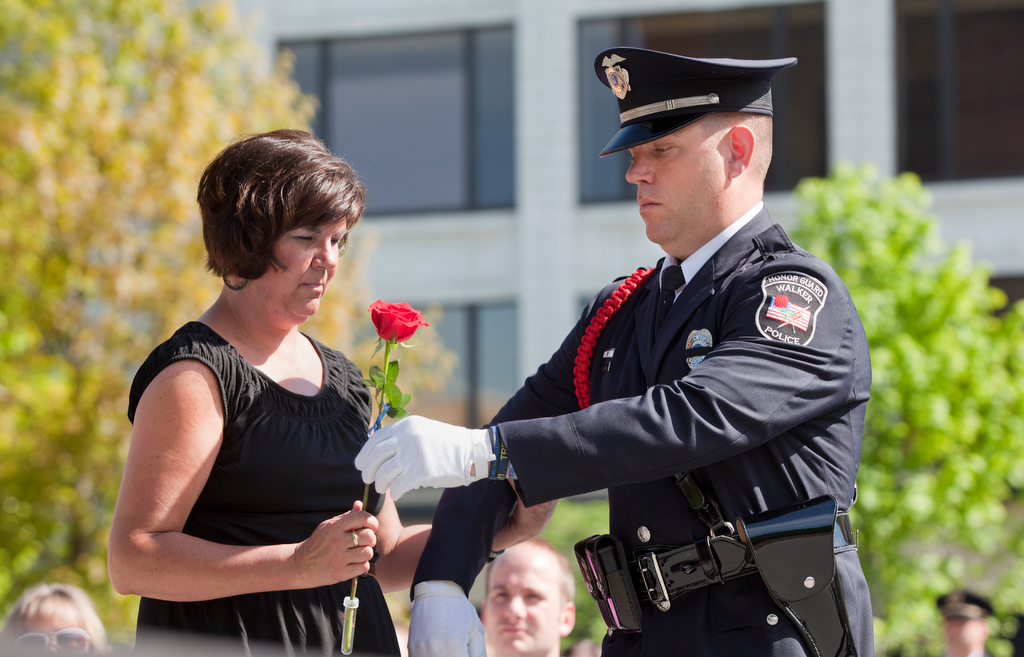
x=663, y=575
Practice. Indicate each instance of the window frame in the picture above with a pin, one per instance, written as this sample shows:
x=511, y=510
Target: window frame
x=950, y=164
x=630, y=33
x=472, y=162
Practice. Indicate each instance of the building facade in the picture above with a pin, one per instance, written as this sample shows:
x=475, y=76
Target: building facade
x=476, y=126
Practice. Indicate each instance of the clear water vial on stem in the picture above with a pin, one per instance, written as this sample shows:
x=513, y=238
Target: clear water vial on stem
x=348, y=636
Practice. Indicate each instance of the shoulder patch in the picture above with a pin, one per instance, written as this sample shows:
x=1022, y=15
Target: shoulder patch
x=790, y=306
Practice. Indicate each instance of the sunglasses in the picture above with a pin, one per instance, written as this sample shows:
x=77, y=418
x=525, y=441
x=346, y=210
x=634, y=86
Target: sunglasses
x=70, y=640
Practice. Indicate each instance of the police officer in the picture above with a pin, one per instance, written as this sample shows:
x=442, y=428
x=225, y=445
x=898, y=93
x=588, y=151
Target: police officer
x=728, y=382
x=965, y=623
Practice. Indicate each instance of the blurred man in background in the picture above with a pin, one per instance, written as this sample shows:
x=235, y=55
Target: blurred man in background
x=529, y=605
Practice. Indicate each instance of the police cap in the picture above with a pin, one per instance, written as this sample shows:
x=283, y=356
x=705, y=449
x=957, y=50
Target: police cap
x=964, y=604
x=660, y=93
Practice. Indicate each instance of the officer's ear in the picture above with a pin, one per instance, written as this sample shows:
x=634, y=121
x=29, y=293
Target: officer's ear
x=740, y=142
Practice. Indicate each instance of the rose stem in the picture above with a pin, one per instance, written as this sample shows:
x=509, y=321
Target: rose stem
x=366, y=487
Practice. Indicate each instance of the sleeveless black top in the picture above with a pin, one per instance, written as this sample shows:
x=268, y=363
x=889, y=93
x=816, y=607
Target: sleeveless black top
x=285, y=466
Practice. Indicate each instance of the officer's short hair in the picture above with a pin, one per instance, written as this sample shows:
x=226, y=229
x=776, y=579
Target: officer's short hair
x=264, y=185
x=566, y=579
x=759, y=124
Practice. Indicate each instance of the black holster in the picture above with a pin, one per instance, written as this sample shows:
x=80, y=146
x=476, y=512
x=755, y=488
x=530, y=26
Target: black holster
x=605, y=572
x=794, y=549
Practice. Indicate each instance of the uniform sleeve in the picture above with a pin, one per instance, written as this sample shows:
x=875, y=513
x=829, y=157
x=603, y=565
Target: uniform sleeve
x=752, y=386
x=467, y=518
x=465, y=522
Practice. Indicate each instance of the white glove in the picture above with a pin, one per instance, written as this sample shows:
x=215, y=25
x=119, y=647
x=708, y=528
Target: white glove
x=444, y=623
x=417, y=452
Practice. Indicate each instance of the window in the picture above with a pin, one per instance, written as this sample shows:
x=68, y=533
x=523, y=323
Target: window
x=483, y=338
x=798, y=93
x=961, y=87
x=426, y=120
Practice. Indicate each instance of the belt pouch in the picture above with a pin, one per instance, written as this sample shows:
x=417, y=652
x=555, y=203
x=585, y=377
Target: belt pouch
x=603, y=564
x=793, y=549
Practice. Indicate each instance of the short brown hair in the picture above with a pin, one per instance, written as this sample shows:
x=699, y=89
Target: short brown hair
x=264, y=185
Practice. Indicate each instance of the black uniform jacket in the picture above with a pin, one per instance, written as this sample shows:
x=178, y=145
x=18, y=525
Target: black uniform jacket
x=757, y=383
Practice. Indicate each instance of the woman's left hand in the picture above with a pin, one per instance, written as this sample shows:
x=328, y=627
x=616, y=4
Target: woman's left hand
x=525, y=523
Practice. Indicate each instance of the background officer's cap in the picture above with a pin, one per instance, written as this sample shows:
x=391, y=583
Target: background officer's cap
x=659, y=93
x=964, y=604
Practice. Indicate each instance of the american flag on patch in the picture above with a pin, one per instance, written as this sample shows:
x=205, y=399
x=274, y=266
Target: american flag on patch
x=782, y=310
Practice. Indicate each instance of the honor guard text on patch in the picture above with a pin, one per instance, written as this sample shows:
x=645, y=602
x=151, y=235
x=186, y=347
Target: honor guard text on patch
x=701, y=342
x=790, y=306
x=618, y=77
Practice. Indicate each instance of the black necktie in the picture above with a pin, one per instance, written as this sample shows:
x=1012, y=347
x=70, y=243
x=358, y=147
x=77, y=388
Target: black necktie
x=671, y=280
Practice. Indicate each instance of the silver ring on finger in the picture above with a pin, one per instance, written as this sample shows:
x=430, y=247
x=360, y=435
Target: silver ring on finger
x=355, y=539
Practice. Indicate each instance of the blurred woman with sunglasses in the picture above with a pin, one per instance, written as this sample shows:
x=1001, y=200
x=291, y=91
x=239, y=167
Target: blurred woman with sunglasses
x=55, y=618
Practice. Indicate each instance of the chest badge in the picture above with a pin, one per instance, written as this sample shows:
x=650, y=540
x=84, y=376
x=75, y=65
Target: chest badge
x=789, y=307
x=698, y=340
x=608, y=355
x=618, y=77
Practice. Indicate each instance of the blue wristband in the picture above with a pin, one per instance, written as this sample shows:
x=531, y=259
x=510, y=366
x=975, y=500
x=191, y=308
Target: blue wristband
x=500, y=466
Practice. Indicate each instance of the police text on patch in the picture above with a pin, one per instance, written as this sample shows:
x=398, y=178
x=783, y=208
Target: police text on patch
x=789, y=307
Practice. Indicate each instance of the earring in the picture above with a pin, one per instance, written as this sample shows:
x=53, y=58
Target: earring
x=236, y=288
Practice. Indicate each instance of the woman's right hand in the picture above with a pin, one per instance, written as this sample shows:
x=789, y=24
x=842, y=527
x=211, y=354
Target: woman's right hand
x=340, y=548
x=176, y=437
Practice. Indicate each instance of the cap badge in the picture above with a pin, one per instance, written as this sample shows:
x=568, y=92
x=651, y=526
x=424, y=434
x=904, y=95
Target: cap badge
x=618, y=77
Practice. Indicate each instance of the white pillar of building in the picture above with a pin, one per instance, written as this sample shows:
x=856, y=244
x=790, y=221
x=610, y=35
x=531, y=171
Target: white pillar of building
x=860, y=56
x=546, y=187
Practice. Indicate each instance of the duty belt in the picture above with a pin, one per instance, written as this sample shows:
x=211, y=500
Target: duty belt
x=667, y=574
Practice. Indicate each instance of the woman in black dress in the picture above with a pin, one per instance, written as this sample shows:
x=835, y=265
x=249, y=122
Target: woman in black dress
x=237, y=513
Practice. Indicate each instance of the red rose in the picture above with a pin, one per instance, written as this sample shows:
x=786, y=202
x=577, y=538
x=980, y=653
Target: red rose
x=395, y=321
x=781, y=301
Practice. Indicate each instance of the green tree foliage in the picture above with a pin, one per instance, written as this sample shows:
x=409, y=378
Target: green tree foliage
x=944, y=437
x=108, y=111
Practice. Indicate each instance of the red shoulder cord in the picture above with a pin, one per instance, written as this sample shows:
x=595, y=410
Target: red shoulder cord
x=589, y=341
